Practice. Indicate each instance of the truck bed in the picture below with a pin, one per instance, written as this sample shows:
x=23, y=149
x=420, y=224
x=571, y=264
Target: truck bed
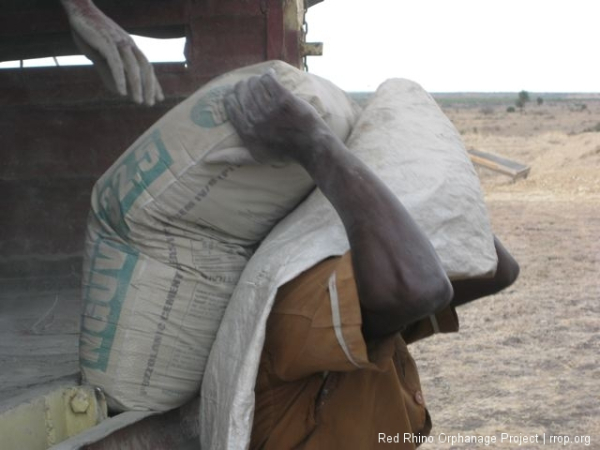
x=39, y=332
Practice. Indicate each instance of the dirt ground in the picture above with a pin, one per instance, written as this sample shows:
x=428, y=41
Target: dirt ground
x=526, y=360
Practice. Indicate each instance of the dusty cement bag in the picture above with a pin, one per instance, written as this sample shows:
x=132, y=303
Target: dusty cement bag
x=404, y=136
x=169, y=234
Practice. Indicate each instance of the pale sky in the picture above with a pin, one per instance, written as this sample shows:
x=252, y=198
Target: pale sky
x=459, y=45
x=445, y=45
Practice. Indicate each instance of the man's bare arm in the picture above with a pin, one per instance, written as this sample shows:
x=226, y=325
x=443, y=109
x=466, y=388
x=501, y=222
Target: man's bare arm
x=398, y=273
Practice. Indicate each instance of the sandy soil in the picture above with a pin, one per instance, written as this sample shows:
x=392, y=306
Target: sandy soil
x=526, y=361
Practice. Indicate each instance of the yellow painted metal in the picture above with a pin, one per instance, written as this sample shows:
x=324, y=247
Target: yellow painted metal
x=48, y=419
x=293, y=11
x=311, y=49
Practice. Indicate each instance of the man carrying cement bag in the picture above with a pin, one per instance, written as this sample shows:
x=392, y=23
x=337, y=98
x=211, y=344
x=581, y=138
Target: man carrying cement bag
x=335, y=371
x=169, y=234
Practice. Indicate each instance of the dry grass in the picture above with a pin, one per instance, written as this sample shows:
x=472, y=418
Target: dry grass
x=526, y=360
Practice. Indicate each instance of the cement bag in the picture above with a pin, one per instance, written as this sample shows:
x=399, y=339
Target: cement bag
x=169, y=233
x=404, y=136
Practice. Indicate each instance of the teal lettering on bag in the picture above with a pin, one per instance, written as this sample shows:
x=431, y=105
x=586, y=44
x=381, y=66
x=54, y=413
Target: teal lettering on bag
x=110, y=273
x=119, y=190
x=209, y=112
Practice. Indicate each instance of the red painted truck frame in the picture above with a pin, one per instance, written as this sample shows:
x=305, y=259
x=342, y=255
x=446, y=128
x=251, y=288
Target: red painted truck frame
x=60, y=129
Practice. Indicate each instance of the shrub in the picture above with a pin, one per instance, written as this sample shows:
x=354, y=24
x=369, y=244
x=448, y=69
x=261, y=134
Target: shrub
x=593, y=129
x=522, y=99
x=578, y=107
x=510, y=109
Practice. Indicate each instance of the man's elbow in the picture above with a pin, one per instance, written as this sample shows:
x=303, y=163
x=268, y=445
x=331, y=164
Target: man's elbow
x=397, y=307
x=425, y=298
x=508, y=273
x=433, y=296
x=508, y=268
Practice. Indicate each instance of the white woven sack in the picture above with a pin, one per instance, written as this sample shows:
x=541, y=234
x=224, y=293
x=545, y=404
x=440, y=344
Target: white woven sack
x=172, y=225
x=407, y=140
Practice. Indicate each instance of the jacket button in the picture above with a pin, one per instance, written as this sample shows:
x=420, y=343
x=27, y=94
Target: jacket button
x=419, y=398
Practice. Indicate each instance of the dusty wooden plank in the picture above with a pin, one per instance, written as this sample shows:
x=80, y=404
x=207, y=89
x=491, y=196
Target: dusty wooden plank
x=499, y=164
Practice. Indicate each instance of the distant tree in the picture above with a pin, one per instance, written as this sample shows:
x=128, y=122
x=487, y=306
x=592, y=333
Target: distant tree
x=524, y=96
x=540, y=100
x=522, y=99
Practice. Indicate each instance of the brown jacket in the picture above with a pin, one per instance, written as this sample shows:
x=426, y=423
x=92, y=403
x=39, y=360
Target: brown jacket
x=320, y=386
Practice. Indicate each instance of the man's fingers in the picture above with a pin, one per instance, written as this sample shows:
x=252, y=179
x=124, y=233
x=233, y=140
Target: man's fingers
x=149, y=82
x=113, y=58
x=271, y=86
x=149, y=87
x=100, y=63
x=242, y=93
x=263, y=98
x=96, y=43
x=159, y=96
x=234, y=111
x=132, y=70
x=260, y=96
x=245, y=99
x=238, y=116
x=147, y=77
x=277, y=93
